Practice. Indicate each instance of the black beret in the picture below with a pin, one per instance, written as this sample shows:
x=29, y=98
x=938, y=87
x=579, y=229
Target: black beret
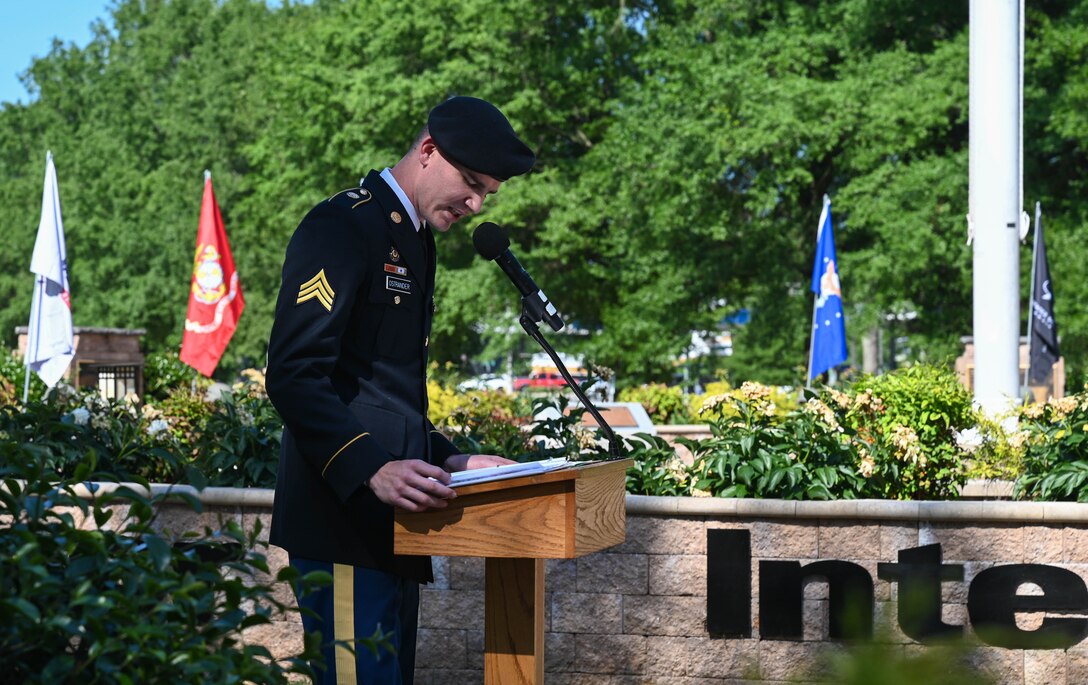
x=475, y=134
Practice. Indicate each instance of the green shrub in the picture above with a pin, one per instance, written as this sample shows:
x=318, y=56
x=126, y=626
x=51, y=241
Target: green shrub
x=910, y=419
x=13, y=379
x=185, y=413
x=232, y=442
x=911, y=434
x=238, y=444
x=716, y=402
x=1054, y=437
x=565, y=434
x=995, y=449
x=111, y=601
x=663, y=403
x=656, y=470
x=754, y=452
x=68, y=425
x=164, y=373
x=488, y=422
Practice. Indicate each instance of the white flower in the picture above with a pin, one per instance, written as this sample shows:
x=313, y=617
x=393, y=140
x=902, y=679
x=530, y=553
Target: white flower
x=157, y=426
x=907, y=445
x=867, y=465
x=712, y=403
x=823, y=412
x=81, y=416
x=969, y=440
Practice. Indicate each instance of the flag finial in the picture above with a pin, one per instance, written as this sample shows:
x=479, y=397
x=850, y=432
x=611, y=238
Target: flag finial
x=207, y=175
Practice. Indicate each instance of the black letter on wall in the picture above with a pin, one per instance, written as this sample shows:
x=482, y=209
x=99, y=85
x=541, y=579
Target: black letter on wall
x=992, y=604
x=919, y=574
x=781, y=598
x=729, y=583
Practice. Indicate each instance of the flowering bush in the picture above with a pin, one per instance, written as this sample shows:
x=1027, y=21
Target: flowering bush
x=890, y=437
x=68, y=427
x=165, y=373
x=755, y=452
x=994, y=448
x=233, y=441
x=657, y=470
x=1054, y=438
x=486, y=422
x=717, y=401
x=911, y=434
x=909, y=422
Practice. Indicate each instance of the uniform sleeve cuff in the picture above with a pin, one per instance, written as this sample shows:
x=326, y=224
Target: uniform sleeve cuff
x=352, y=466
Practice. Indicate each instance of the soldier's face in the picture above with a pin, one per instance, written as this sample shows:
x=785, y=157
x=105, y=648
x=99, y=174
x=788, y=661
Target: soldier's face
x=449, y=191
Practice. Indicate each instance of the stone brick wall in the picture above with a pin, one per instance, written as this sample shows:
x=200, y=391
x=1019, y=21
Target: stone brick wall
x=636, y=614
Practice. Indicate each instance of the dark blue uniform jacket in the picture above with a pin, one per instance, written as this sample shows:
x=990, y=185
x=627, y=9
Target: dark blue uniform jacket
x=347, y=372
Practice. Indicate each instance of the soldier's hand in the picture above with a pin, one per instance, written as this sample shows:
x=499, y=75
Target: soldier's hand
x=412, y=485
x=464, y=462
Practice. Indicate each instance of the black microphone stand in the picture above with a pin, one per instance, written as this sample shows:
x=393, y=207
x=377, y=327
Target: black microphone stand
x=531, y=307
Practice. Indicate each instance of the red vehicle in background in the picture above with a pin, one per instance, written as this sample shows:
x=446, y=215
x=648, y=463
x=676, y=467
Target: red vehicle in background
x=545, y=375
x=546, y=379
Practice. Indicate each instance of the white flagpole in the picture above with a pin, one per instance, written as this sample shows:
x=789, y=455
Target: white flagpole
x=34, y=313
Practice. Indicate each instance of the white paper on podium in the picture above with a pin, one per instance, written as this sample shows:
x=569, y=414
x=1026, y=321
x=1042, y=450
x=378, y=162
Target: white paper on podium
x=473, y=476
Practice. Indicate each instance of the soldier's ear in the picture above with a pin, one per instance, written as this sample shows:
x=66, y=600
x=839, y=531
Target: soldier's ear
x=427, y=151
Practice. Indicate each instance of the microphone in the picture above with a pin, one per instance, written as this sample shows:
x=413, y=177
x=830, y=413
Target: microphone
x=492, y=243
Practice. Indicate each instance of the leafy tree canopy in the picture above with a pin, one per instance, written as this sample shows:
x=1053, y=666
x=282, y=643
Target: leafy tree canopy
x=684, y=150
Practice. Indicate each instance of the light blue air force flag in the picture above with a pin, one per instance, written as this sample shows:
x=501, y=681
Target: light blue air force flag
x=50, y=347
x=828, y=326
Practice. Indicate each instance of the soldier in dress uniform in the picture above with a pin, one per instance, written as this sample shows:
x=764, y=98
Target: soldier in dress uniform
x=347, y=372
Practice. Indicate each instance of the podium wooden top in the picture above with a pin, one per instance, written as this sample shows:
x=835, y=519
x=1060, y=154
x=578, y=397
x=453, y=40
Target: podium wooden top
x=555, y=515
x=575, y=470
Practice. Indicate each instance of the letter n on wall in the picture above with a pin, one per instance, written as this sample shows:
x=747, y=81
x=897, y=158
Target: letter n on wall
x=781, y=599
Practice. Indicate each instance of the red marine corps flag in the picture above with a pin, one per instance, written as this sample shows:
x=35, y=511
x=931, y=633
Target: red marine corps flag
x=215, y=296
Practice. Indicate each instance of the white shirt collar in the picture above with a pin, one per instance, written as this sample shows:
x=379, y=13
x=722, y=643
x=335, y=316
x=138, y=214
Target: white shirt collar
x=387, y=175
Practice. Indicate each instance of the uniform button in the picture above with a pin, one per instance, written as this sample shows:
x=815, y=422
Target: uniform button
x=396, y=299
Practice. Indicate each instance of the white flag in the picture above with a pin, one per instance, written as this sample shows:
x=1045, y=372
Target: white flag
x=50, y=347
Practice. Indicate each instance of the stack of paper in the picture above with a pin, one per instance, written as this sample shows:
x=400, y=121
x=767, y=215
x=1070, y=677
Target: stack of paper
x=506, y=471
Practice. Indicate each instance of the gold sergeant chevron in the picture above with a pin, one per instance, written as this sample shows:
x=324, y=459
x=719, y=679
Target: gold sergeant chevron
x=317, y=287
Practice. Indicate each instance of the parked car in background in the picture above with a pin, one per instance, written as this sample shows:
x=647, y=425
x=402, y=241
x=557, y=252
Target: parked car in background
x=544, y=380
x=545, y=376
x=488, y=381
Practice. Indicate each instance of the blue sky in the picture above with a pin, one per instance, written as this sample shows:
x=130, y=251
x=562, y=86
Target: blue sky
x=29, y=29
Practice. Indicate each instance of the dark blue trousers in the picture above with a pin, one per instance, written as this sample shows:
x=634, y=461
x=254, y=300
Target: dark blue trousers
x=358, y=601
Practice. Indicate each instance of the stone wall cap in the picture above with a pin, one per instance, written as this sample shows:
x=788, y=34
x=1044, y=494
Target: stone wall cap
x=864, y=509
x=645, y=505
x=681, y=428
x=249, y=497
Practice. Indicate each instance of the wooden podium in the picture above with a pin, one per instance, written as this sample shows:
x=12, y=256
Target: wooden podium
x=516, y=524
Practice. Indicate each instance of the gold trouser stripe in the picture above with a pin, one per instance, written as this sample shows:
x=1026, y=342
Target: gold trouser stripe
x=339, y=451
x=343, y=621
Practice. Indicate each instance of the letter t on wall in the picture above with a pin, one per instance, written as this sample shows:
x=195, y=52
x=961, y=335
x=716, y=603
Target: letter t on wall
x=920, y=574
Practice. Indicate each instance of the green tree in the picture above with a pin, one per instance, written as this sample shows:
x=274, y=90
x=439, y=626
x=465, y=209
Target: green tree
x=684, y=151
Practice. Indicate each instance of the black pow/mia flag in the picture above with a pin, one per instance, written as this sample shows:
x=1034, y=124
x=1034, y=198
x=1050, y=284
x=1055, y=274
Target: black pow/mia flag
x=1044, y=330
